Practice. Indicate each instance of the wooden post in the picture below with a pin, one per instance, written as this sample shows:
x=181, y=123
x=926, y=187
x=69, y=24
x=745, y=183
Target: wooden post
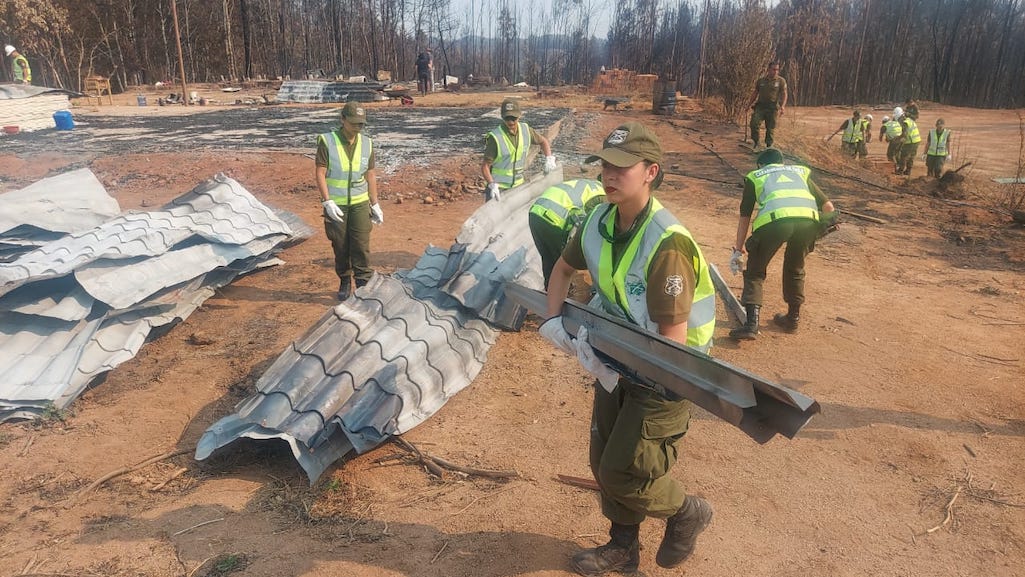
x=181, y=59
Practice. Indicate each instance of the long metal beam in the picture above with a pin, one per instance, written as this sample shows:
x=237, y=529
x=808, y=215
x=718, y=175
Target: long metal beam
x=755, y=405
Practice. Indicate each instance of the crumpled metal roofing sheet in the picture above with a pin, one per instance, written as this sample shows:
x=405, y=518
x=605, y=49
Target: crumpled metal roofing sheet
x=376, y=365
x=65, y=321
x=386, y=359
x=220, y=211
x=68, y=203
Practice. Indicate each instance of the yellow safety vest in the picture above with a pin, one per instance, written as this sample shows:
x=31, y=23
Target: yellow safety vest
x=854, y=131
x=938, y=143
x=346, y=181
x=563, y=205
x=21, y=69
x=893, y=129
x=509, y=165
x=782, y=192
x=911, y=135
x=622, y=289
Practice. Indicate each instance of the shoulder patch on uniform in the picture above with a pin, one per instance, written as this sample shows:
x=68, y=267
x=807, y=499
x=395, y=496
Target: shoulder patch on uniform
x=674, y=285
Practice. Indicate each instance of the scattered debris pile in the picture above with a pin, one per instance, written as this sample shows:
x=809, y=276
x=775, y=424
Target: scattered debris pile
x=319, y=91
x=81, y=287
x=623, y=81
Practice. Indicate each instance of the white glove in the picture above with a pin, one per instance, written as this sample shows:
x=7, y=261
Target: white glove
x=950, y=156
x=332, y=211
x=585, y=354
x=549, y=163
x=556, y=334
x=376, y=214
x=923, y=156
x=492, y=192
x=736, y=262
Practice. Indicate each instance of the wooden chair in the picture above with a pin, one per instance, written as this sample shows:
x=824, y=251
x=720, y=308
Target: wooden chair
x=95, y=87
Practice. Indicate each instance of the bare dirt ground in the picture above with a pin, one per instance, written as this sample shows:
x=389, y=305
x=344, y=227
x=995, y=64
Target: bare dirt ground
x=912, y=341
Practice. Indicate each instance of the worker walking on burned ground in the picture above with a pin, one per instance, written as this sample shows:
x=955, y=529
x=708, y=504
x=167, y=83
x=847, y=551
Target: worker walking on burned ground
x=558, y=212
x=789, y=210
x=21, y=73
x=937, y=149
x=768, y=98
x=890, y=133
x=909, y=141
x=506, y=148
x=347, y=182
x=647, y=270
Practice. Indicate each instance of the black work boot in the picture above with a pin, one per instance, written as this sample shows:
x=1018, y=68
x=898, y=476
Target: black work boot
x=621, y=554
x=682, y=531
x=789, y=321
x=344, y=288
x=749, y=331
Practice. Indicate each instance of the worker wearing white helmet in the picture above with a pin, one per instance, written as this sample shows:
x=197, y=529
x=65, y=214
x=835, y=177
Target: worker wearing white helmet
x=890, y=132
x=909, y=141
x=21, y=72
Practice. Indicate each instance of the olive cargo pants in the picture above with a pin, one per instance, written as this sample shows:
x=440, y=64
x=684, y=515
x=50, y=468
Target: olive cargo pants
x=550, y=241
x=800, y=235
x=764, y=111
x=634, y=432
x=350, y=242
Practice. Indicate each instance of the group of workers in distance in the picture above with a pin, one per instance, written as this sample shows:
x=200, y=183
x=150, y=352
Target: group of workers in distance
x=646, y=268
x=903, y=138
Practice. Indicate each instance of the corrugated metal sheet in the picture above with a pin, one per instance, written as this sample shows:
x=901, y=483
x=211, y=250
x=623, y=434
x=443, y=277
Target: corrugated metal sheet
x=30, y=108
x=388, y=358
x=78, y=306
x=218, y=211
x=67, y=203
x=317, y=91
x=376, y=365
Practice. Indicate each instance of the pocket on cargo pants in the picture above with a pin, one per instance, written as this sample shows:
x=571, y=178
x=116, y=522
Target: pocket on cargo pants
x=664, y=423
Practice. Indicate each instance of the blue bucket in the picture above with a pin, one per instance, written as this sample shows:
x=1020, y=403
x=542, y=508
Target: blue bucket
x=63, y=120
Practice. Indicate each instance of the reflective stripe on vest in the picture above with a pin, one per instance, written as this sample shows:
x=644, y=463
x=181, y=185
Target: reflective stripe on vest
x=622, y=290
x=508, y=167
x=853, y=132
x=911, y=135
x=893, y=129
x=345, y=177
x=563, y=204
x=938, y=145
x=782, y=192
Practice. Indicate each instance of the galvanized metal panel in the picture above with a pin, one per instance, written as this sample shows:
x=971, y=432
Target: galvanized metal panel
x=757, y=406
x=68, y=203
x=55, y=338
x=376, y=365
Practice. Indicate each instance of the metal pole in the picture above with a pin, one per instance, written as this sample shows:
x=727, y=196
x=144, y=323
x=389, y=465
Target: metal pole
x=181, y=59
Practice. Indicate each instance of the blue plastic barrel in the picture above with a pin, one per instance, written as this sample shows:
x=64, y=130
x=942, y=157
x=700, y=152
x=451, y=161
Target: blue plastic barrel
x=63, y=120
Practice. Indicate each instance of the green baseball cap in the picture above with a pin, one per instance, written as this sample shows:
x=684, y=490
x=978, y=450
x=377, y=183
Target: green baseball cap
x=629, y=144
x=354, y=113
x=511, y=107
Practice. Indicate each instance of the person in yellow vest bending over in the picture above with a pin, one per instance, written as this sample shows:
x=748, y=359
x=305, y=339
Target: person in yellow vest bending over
x=20, y=68
x=890, y=132
x=790, y=208
x=648, y=271
x=909, y=141
x=937, y=149
x=557, y=213
x=347, y=182
x=506, y=148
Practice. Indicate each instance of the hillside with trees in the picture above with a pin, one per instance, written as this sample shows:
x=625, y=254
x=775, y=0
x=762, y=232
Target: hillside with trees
x=962, y=52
